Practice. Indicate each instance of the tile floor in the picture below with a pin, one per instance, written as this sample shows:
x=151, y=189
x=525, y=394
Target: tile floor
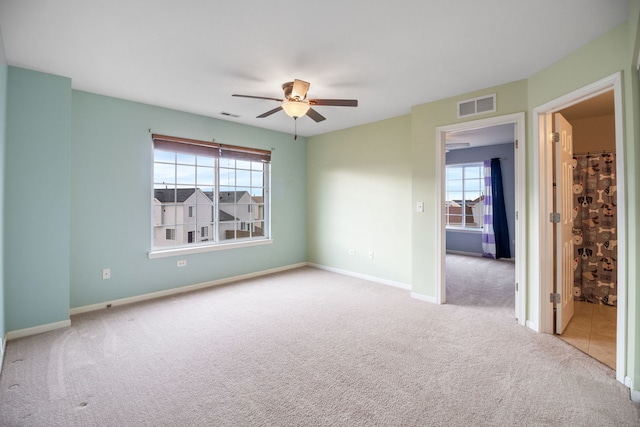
x=593, y=331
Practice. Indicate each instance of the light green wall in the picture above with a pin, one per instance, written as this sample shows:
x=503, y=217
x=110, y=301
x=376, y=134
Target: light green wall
x=338, y=174
x=601, y=58
x=510, y=98
x=359, y=197
x=36, y=199
x=111, y=192
x=632, y=134
x=4, y=69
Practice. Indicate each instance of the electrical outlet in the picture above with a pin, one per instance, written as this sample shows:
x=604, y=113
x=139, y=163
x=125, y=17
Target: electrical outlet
x=106, y=273
x=370, y=254
x=352, y=251
x=182, y=263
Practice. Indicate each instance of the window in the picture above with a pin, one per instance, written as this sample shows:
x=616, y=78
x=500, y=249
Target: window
x=220, y=190
x=464, y=200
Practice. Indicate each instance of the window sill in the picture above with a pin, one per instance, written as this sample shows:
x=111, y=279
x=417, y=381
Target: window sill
x=210, y=248
x=465, y=230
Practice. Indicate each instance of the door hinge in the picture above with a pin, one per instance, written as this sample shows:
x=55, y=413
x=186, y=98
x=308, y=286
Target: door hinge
x=516, y=286
x=516, y=214
x=554, y=217
x=516, y=143
x=554, y=137
x=555, y=298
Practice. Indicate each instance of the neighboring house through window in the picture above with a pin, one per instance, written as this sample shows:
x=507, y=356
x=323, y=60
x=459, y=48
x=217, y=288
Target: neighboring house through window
x=219, y=190
x=464, y=201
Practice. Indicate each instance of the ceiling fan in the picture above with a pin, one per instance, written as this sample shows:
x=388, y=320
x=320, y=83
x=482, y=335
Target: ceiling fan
x=296, y=104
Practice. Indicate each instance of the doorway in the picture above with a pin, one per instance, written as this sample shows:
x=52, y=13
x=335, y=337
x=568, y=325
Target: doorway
x=542, y=260
x=475, y=275
x=516, y=123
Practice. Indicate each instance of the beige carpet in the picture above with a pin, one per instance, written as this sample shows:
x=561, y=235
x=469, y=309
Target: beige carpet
x=304, y=348
x=481, y=282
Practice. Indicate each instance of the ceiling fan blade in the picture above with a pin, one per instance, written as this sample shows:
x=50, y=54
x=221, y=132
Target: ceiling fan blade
x=257, y=97
x=315, y=115
x=268, y=113
x=335, y=102
x=300, y=88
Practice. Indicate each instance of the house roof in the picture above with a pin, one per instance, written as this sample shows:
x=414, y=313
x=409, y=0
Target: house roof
x=224, y=216
x=169, y=195
x=231, y=196
x=388, y=55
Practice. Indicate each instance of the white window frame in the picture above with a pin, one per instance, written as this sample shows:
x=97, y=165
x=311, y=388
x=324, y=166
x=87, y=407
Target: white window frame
x=463, y=225
x=252, y=163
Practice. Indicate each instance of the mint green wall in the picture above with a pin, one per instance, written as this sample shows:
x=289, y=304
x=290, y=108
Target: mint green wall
x=632, y=105
x=36, y=199
x=510, y=98
x=111, y=194
x=359, y=198
x=601, y=58
x=3, y=115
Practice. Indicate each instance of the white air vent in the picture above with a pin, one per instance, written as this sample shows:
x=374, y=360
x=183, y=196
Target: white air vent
x=480, y=105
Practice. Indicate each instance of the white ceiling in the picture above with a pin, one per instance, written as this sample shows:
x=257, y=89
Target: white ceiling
x=491, y=135
x=192, y=55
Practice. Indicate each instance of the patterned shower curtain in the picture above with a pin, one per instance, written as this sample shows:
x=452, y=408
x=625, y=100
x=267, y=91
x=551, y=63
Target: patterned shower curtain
x=594, y=229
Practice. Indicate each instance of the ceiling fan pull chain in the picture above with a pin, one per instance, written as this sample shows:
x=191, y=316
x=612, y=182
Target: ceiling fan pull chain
x=295, y=128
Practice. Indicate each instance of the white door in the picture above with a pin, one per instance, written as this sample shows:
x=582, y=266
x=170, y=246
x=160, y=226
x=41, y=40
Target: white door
x=564, y=229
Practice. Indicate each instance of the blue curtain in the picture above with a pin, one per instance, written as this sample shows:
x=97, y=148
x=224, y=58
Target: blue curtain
x=500, y=227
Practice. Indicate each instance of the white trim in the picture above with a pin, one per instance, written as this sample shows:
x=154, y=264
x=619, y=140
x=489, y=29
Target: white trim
x=449, y=251
x=3, y=345
x=635, y=394
x=544, y=203
x=173, y=291
x=628, y=381
x=35, y=330
x=532, y=325
x=476, y=230
x=425, y=298
x=518, y=119
x=541, y=202
x=441, y=219
x=361, y=276
x=207, y=248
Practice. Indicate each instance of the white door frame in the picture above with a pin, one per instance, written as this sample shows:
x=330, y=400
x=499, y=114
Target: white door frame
x=518, y=119
x=541, y=265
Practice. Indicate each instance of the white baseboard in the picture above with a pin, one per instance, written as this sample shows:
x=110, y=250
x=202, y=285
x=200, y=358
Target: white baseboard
x=452, y=252
x=26, y=332
x=635, y=394
x=423, y=297
x=173, y=291
x=361, y=276
x=3, y=345
x=532, y=325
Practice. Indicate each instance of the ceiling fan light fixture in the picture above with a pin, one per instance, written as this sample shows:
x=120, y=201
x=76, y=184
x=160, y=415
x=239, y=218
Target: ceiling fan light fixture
x=295, y=109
